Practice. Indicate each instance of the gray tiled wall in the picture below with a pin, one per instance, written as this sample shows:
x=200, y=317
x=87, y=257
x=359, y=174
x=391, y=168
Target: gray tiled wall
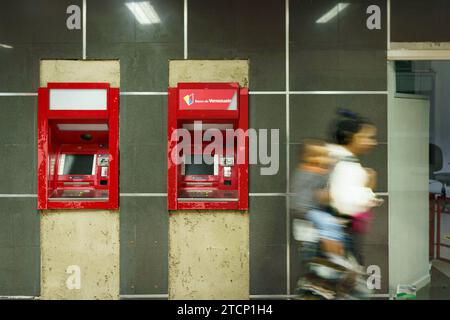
x=340, y=55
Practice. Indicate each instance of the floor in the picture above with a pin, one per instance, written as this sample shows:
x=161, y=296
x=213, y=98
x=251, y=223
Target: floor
x=439, y=287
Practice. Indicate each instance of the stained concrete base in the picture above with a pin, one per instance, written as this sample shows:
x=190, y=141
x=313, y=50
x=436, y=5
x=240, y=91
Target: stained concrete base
x=79, y=254
x=80, y=71
x=208, y=255
x=209, y=71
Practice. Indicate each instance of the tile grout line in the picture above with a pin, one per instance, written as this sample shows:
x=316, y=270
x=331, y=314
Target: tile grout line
x=388, y=31
x=267, y=92
x=149, y=194
x=18, y=195
x=143, y=93
x=166, y=296
x=149, y=93
x=251, y=296
x=84, y=28
x=185, y=30
x=163, y=194
x=363, y=92
x=18, y=94
x=288, y=267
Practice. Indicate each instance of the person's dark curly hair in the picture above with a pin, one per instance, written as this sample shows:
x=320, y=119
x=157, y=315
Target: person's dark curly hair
x=346, y=126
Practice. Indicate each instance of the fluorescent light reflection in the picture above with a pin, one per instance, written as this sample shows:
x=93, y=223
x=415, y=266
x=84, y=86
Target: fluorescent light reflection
x=332, y=13
x=6, y=46
x=143, y=12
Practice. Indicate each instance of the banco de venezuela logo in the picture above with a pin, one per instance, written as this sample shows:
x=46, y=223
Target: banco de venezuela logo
x=189, y=98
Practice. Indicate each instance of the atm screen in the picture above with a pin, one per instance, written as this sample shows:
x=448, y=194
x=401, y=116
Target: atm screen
x=198, y=166
x=78, y=164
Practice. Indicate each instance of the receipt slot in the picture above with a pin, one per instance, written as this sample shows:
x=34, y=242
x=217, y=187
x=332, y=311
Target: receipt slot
x=78, y=146
x=208, y=146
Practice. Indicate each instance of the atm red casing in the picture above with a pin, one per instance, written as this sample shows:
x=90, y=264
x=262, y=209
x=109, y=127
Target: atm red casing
x=103, y=128
x=208, y=103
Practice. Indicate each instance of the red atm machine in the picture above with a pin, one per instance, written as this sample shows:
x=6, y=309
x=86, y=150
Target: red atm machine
x=208, y=119
x=78, y=146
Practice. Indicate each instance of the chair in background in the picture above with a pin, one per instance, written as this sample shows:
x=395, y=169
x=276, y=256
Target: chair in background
x=435, y=163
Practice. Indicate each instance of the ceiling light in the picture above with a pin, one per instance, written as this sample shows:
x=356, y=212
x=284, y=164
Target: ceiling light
x=143, y=12
x=332, y=13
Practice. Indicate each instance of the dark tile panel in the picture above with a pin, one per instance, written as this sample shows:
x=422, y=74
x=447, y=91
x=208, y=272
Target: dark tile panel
x=337, y=69
x=20, y=222
x=267, y=221
x=274, y=178
x=151, y=168
x=20, y=177
x=18, y=120
x=228, y=22
x=115, y=23
x=362, y=70
x=268, y=112
x=311, y=116
x=295, y=155
x=15, y=74
x=26, y=272
x=7, y=268
x=377, y=159
x=341, y=54
x=19, y=70
x=143, y=168
x=128, y=259
x=352, y=26
x=127, y=165
x=297, y=268
x=171, y=27
x=6, y=227
x=378, y=255
x=305, y=31
x=144, y=245
x=267, y=270
x=110, y=22
x=313, y=69
x=143, y=120
x=347, y=29
x=221, y=30
x=378, y=232
x=43, y=21
x=19, y=247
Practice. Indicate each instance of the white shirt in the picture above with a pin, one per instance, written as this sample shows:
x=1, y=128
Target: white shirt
x=348, y=192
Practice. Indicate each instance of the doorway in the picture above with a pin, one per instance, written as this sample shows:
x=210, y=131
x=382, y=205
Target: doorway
x=418, y=166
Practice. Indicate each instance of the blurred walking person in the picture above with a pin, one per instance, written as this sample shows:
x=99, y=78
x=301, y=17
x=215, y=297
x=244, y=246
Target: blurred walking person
x=334, y=195
x=351, y=185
